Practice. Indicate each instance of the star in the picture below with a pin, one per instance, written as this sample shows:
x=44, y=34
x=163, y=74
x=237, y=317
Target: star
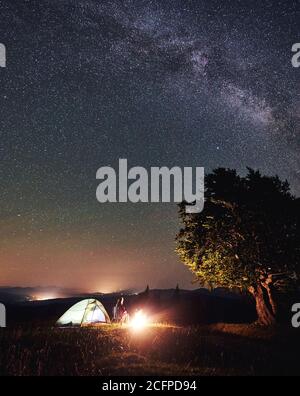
x=160, y=83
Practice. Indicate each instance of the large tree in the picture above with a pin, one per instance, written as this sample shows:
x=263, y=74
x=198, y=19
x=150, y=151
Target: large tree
x=247, y=237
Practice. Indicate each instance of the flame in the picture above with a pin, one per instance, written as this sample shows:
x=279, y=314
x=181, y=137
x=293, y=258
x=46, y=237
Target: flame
x=139, y=321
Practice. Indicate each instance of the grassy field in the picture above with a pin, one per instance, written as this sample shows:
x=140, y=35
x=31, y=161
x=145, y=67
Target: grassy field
x=157, y=350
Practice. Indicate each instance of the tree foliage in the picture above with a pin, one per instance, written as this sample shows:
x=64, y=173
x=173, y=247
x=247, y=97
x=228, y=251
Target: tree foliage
x=247, y=237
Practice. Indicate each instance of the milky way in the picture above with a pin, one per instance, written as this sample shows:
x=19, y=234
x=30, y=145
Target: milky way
x=185, y=83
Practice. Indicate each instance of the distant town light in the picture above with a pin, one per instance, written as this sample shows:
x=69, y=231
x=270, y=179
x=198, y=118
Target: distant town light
x=44, y=297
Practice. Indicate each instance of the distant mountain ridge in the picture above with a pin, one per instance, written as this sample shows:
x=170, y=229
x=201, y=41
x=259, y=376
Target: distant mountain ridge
x=22, y=294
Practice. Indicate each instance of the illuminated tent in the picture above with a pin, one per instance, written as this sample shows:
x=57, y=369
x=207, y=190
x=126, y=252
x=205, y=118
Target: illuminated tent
x=85, y=312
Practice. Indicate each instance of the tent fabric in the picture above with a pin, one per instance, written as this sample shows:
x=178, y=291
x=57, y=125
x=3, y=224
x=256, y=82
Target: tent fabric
x=85, y=312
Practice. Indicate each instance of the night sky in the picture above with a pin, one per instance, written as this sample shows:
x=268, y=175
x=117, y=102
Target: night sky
x=161, y=83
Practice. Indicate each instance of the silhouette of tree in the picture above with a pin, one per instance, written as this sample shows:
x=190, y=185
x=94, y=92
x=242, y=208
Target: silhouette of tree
x=144, y=296
x=247, y=237
x=176, y=292
x=146, y=292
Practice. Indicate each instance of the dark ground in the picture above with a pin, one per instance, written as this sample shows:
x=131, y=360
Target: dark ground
x=158, y=350
x=185, y=339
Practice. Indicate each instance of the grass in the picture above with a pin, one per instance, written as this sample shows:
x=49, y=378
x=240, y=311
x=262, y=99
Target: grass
x=157, y=350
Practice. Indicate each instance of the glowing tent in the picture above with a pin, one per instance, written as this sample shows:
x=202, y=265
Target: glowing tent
x=85, y=312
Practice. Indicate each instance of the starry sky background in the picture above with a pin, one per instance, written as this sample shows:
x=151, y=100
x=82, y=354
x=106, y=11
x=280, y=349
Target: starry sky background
x=161, y=83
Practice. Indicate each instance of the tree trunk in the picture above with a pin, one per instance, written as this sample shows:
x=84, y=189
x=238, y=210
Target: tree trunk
x=269, y=287
x=265, y=305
